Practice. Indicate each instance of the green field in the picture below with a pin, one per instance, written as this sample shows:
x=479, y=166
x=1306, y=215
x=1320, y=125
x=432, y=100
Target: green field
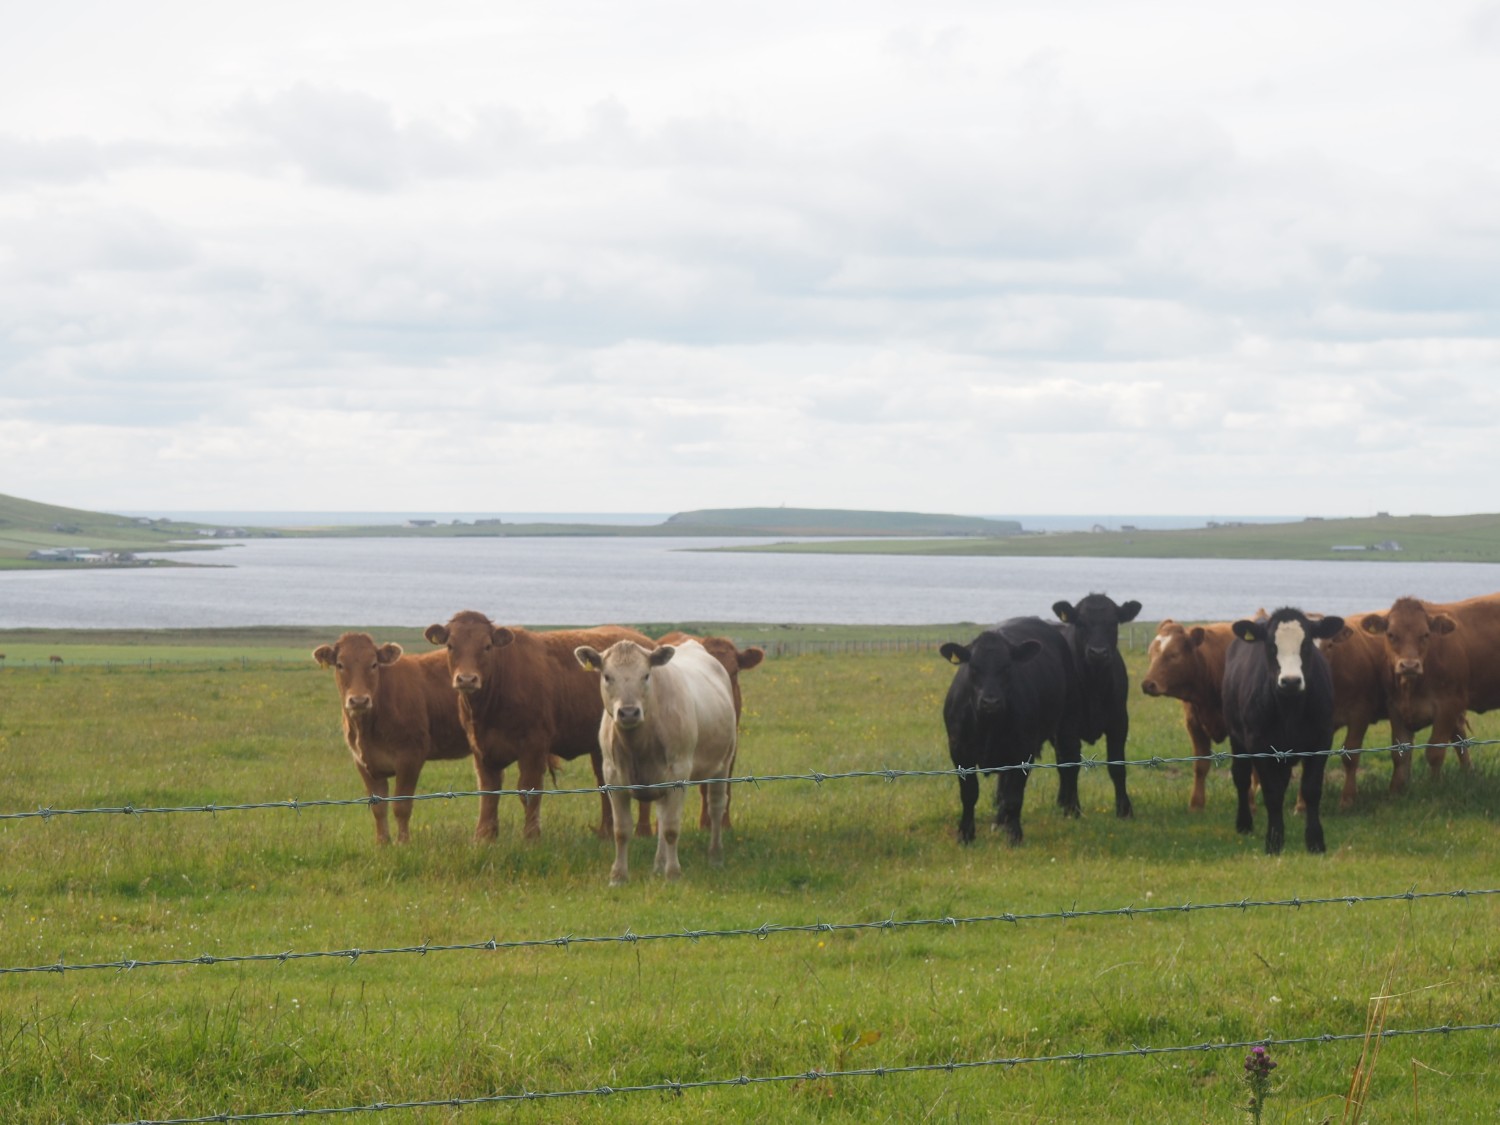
x=252, y=720
x=1473, y=538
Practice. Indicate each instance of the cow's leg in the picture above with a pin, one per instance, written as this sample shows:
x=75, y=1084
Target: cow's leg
x=620, y=872
x=704, y=819
x=968, y=797
x=1274, y=777
x=1202, y=748
x=718, y=813
x=533, y=771
x=1401, y=735
x=606, y=805
x=1115, y=755
x=489, y=777
x=1354, y=739
x=377, y=788
x=643, y=818
x=1310, y=797
x=406, y=786
x=1069, y=755
x=668, y=828
x=1240, y=769
x=1446, y=727
x=1012, y=795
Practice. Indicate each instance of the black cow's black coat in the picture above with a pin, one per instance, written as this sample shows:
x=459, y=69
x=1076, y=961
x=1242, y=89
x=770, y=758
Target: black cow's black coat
x=1266, y=712
x=1092, y=630
x=1014, y=690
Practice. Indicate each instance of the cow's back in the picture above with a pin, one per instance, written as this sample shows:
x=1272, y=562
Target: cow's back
x=1478, y=634
x=533, y=693
x=1049, y=694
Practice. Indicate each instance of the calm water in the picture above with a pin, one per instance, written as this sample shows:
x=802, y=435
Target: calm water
x=588, y=581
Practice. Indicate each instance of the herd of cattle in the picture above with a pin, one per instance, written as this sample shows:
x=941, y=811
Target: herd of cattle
x=667, y=709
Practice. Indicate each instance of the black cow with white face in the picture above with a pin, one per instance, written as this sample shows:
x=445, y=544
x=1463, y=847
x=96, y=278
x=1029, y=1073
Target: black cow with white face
x=1092, y=629
x=1278, y=696
x=1014, y=690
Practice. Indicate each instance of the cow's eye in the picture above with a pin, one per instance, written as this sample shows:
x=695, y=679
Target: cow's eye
x=339, y=664
x=374, y=664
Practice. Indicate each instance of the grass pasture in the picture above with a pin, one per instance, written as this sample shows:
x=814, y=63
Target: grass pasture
x=192, y=1041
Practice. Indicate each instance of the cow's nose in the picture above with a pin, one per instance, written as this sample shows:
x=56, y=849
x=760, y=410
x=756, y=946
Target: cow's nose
x=1409, y=667
x=989, y=703
x=627, y=716
x=1150, y=688
x=358, y=703
x=1095, y=654
x=1290, y=683
x=466, y=681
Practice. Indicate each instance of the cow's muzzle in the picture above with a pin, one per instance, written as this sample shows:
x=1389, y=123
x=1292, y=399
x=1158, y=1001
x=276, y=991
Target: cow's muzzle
x=629, y=717
x=356, y=704
x=1151, y=688
x=467, y=682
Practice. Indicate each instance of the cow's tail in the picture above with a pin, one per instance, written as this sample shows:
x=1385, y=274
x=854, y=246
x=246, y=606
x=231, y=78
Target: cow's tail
x=553, y=763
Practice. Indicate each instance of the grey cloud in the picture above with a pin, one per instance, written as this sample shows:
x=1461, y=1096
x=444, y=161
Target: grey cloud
x=55, y=160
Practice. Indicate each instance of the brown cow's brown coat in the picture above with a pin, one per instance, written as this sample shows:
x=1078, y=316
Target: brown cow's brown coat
x=1442, y=662
x=1188, y=664
x=399, y=713
x=522, y=701
x=1356, y=662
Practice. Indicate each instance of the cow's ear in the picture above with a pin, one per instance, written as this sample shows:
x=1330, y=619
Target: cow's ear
x=1197, y=635
x=1373, y=623
x=388, y=653
x=955, y=654
x=1128, y=611
x=500, y=636
x=325, y=656
x=1064, y=612
x=750, y=658
x=661, y=655
x=1327, y=628
x=1251, y=631
x=437, y=634
x=1342, y=635
x=589, y=658
x=1442, y=625
x=1026, y=650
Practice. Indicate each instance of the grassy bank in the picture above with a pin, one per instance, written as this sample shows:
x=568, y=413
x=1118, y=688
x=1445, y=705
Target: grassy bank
x=1473, y=538
x=189, y=1040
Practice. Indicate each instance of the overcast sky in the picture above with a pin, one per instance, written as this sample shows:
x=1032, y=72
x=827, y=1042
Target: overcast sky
x=986, y=257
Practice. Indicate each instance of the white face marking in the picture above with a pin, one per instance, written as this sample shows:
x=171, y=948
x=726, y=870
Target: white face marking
x=1289, y=636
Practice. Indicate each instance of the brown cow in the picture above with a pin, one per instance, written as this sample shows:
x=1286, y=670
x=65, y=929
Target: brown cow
x=399, y=713
x=54, y=660
x=1357, y=664
x=1188, y=664
x=1442, y=662
x=522, y=701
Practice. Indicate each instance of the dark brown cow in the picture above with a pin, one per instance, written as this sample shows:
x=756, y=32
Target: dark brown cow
x=522, y=701
x=1188, y=664
x=1356, y=660
x=1442, y=662
x=399, y=713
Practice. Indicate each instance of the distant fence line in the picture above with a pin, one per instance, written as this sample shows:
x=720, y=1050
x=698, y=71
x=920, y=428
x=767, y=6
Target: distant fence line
x=953, y=1066
x=817, y=778
x=763, y=931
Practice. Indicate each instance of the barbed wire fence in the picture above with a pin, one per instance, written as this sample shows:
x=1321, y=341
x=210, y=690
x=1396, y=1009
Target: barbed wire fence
x=48, y=812
x=952, y=1066
x=762, y=932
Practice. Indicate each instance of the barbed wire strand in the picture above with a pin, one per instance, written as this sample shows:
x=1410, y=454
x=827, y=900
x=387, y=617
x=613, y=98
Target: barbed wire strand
x=765, y=930
x=816, y=1075
x=816, y=777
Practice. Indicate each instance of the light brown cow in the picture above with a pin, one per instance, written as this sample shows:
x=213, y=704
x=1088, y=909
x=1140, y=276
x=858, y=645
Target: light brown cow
x=1442, y=661
x=1188, y=664
x=668, y=716
x=735, y=661
x=522, y=701
x=1357, y=664
x=399, y=713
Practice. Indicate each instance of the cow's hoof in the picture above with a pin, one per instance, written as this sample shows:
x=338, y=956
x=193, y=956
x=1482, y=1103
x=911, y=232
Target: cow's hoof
x=1072, y=811
x=1124, y=809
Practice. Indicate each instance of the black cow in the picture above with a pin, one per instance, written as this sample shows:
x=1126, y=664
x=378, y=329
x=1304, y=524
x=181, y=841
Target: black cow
x=1092, y=629
x=1014, y=689
x=1278, y=696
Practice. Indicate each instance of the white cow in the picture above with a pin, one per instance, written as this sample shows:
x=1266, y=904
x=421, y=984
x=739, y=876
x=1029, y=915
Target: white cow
x=668, y=716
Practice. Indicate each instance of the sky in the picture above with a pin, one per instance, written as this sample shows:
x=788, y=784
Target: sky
x=1063, y=256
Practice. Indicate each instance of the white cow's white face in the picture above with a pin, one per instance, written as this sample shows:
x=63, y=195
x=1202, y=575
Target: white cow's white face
x=1289, y=639
x=625, y=678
